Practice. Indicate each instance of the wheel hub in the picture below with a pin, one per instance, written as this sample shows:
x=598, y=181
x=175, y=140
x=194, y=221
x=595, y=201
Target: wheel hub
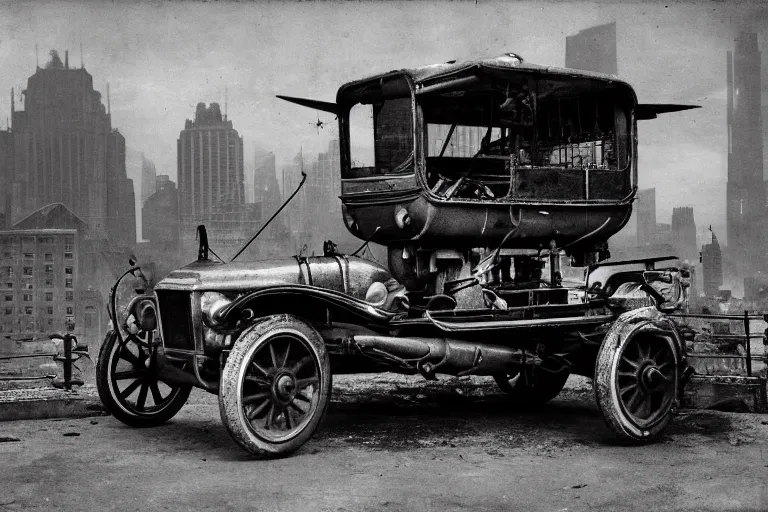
x=285, y=387
x=652, y=378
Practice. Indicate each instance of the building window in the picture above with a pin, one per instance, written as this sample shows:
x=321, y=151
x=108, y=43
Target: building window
x=8, y=311
x=27, y=286
x=67, y=255
x=68, y=243
x=68, y=270
x=68, y=283
x=27, y=297
x=9, y=286
x=49, y=283
x=8, y=298
x=70, y=310
x=50, y=322
x=48, y=296
x=9, y=271
x=48, y=268
x=48, y=256
x=69, y=296
x=27, y=271
x=6, y=254
x=49, y=310
x=29, y=255
x=45, y=240
x=28, y=310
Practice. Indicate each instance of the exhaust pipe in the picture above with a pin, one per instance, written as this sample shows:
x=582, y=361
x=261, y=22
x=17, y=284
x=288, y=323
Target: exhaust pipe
x=449, y=356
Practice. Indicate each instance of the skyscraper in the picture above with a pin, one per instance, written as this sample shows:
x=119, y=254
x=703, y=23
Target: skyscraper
x=148, y=177
x=684, y=233
x=210, y=166
x=746, y=190
x=65, y=150
x=645, y=206
x=593, y=49
x=712, y=263
x=161, y=217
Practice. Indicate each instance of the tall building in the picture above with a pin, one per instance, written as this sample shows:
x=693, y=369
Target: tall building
x=265, y=187
x=148, y=178
x=712, y=266
x=210, y=166
x=6, y=176
x=684, y=233
x=645, y=206
x=38, y=272
x=593, y=49
x=746, y=190
x=161, y=217
x=65, y=150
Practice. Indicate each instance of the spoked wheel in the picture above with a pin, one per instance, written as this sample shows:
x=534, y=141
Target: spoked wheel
x=527, y=388
x=275, y=386
x=128, y=385
x=636, y=383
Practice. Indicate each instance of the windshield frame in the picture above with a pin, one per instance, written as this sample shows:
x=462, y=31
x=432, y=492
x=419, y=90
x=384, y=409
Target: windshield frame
x=353, y=94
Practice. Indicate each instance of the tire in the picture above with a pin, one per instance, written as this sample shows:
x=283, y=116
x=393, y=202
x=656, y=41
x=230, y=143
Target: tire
x=526, y=389
x=114, y=366
x=636, y=380
x=276, y=386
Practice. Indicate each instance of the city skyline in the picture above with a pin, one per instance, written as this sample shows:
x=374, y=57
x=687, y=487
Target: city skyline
x=665, y=56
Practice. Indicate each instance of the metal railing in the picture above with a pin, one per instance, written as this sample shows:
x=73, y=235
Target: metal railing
x=72, y=352
x=747, y=336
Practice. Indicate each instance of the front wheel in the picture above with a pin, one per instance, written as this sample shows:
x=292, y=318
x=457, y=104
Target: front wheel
x=529, y=388
x=128, y=385
x=275, y=386
x=636, y=381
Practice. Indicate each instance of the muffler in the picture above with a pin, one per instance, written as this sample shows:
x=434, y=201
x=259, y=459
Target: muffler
x=444, y=355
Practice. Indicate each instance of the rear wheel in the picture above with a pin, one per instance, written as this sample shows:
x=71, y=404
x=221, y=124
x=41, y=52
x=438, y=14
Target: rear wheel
x=528, y=388
x=636, y=382
x=128, y=385
x=275, y=386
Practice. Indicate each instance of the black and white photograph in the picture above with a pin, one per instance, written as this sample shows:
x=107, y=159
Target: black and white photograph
x=342, y=256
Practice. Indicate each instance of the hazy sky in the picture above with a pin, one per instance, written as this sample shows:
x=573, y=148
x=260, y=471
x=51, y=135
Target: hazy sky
x=162, y=58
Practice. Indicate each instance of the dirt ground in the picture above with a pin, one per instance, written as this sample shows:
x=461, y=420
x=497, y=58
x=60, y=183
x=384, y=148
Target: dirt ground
x=393, y=443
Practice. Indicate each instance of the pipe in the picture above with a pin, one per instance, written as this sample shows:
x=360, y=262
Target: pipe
x=450, y=356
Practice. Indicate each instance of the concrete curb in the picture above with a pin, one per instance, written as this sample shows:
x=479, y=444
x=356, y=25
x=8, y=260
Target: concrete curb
x=42, y=403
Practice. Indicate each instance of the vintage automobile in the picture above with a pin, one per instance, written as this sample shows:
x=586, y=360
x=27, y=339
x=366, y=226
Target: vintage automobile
x=479, y=177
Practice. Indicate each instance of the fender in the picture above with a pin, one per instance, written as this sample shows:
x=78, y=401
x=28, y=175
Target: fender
x=646, y=319
x=329, y=298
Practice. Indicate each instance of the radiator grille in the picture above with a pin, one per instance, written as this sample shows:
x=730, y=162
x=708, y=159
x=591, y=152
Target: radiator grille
x=176, y=318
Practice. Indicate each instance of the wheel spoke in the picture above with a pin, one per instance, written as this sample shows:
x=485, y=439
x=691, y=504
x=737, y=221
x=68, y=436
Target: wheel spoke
x=130, y=374
x=142, y=399
x=259, y=368
x=157, y=397
x=254, y=398
x=634, y=401
x=129, y=356
x=130, y=389
x=273, y=355
x=627, y=374
x=300, y=364
x=256, y=410
x=645, y=408
x=259, y=381
x=296, y=408
x=270, y=413
x=303, y=383
x=302, y=397
x=630, y=362
x=631, y=387
x=287, y=417
x=287, y=351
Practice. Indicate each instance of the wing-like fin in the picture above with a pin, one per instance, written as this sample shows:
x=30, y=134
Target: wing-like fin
x=651, y=110
x=325, y=106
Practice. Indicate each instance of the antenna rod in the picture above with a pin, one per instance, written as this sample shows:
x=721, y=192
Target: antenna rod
x=303, y=179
